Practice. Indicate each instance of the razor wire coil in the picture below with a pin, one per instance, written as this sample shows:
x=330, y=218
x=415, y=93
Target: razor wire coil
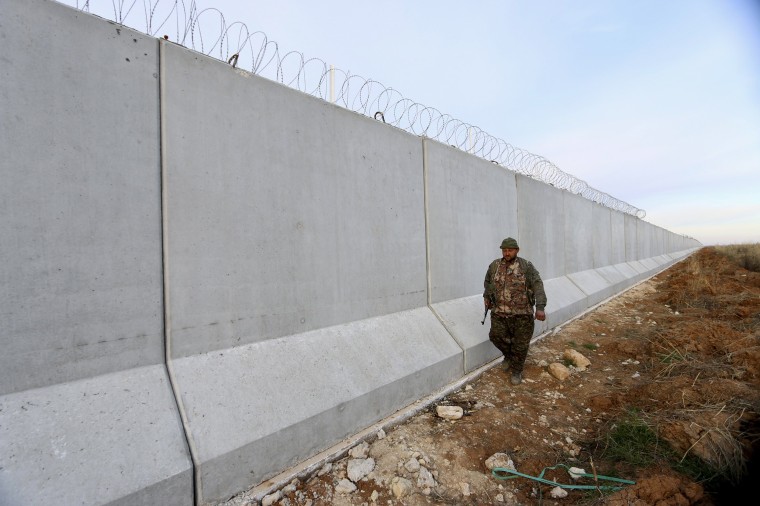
x=206, y=31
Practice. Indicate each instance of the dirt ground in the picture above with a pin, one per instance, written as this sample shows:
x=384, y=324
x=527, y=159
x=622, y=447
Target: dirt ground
x=677, y=356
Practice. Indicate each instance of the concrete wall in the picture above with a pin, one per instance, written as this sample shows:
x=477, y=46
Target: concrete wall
x=209, y=277
x=87, y=415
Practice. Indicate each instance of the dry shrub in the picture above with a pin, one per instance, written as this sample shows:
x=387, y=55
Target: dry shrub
x=701, y=361
x=746, y=256
x=710, y=436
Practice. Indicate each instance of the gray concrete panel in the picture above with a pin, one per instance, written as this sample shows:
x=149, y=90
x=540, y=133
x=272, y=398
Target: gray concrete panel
x=565, y=300
x=650, y=265
x=601, y=236
x=618, y=238
x=540, y=218
x=658, y=245
x=286, y=213
x=579, y=239
x=256, y=409
x=645, y=239
x=630, y=236
x=462, y=318
x=79, y=200
x=641, y=269
x=617, y=279
x=107, y=439
x=472, y=207
x=631, y=273
x=593, y=284
x=673, y=242
x=663, y=260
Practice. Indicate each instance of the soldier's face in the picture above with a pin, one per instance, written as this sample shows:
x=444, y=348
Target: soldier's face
x=509, y=254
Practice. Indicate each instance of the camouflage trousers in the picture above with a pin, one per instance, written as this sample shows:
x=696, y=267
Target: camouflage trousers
x=511, y=335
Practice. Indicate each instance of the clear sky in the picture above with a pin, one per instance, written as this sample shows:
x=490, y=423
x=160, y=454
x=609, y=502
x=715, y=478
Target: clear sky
x=654, y=102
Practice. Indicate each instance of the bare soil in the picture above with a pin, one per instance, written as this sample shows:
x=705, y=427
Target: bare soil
x=676, y=357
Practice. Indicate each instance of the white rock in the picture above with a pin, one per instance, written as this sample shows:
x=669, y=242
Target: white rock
x=558, y=493
x=270, y=499
x=412, y=465
x=580, y=362
x=465, y=488
x=425, y=479
x=374, y=496
x=344, y=486
x=576, y=472
x=381, y=434
x=401, y=487
x=449, y=412
x=559, y=371
x=359, y=468
x=359, y=451
x=499, y=460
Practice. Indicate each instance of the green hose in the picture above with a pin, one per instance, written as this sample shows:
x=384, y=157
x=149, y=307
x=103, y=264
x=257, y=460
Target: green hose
x=504, y=473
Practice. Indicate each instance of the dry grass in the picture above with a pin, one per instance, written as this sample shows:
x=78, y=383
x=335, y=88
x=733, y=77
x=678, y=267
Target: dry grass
x=699, y=412
x=744, y=255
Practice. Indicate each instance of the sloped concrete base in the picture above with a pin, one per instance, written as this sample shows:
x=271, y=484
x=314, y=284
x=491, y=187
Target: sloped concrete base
x=115, y=438
x=462, y=318
x=257, y=409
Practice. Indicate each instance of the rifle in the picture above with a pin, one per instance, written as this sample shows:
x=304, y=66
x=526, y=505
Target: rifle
x=484, y=317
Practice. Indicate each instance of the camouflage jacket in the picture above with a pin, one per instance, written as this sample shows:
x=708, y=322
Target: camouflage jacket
x=534, y=284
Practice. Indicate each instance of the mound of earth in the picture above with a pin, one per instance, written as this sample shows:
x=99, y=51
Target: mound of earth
x=673, y=365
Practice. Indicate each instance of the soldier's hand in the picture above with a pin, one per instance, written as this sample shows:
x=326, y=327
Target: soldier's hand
x=540, y=315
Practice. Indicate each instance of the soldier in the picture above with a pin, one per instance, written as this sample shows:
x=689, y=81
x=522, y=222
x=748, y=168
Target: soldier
x=512, y=288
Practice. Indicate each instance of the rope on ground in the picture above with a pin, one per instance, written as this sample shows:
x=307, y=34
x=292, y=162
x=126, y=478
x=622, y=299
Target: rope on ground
x=505, y=473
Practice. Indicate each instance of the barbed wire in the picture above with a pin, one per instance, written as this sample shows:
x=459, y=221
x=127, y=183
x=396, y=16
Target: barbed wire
x=206, y=31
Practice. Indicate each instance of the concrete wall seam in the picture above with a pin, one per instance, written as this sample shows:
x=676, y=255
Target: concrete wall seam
x=168, y=363
x=426, y=189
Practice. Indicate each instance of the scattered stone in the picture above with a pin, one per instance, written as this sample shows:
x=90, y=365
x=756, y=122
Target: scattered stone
x=381, y=434
x=344, y=486
x=325, y=469
x=289, y=488
x=559, y=371
x=374, y=496
x=359, y=451
x=465, y=488
x=576, y=472
x=499, y=460
x=449, y=412
x=359, y=468
x=270, y=499
x=412, y=465
x=401, y=487
x=425, y=479
x=580, y=362
x=558, y=493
